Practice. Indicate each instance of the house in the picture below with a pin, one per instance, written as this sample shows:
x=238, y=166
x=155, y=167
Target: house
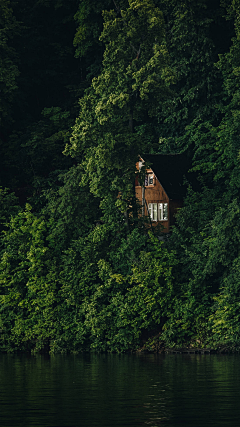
x=162, y=191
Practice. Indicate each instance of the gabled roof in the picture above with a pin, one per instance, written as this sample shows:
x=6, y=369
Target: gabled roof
x=170, y=170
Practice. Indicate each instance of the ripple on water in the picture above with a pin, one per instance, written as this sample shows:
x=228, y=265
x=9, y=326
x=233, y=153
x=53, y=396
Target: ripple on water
x=120, y=390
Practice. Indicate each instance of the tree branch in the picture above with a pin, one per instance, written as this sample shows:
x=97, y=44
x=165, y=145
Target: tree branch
x=117, y=7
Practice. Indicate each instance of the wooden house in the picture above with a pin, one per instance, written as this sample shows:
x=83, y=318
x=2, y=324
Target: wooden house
x=161, y=193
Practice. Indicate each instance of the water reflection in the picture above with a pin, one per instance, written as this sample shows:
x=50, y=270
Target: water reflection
x=119, y=390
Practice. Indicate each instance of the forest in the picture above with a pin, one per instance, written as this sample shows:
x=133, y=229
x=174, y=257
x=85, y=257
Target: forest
x=85, y=88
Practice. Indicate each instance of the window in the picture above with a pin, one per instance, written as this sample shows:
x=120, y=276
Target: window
x=150, y=180
x=152, y=208
x=158, y=211
x=162, y=211
x=165, y=211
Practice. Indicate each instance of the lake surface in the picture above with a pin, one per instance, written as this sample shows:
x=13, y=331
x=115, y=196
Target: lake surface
x=120, y=390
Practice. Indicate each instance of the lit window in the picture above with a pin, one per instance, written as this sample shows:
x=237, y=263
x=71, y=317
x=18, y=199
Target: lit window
x=165, y=211
x=154, y=217
x=152, y=209
x=162, y=211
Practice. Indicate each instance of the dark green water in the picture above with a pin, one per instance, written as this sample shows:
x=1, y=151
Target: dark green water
x=126, y=390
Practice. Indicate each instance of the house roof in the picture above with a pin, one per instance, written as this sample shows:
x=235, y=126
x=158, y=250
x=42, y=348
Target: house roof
x=170, y=170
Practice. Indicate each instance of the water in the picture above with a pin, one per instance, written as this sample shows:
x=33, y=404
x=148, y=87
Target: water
x=120, y=390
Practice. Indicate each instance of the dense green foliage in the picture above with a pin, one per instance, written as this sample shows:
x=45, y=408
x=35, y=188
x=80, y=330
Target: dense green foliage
x=85, y=87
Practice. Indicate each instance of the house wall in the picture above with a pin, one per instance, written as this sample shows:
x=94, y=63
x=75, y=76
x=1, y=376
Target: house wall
x=154, y=193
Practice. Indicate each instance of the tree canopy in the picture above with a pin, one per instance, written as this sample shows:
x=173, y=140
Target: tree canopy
x=86, y=87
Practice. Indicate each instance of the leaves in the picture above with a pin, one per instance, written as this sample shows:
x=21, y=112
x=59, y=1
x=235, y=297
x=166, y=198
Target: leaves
x=79, y=271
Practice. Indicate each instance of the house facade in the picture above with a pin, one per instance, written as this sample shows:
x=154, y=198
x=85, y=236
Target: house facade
x=162, y=191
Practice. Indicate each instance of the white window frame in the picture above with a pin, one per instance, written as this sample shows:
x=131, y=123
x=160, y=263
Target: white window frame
x=158, y=211
x=150, y=209
x=162, y=211
x=165, y=212
x=151, y=176
x=153, y=211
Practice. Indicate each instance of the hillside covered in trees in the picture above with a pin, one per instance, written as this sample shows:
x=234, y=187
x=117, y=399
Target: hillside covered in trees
x=85, y=87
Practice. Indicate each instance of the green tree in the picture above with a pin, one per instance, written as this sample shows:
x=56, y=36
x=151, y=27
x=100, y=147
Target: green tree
x=134, y=78
x=196, y=33
x=9, y=206
x=28, y=285
x=89, y=49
